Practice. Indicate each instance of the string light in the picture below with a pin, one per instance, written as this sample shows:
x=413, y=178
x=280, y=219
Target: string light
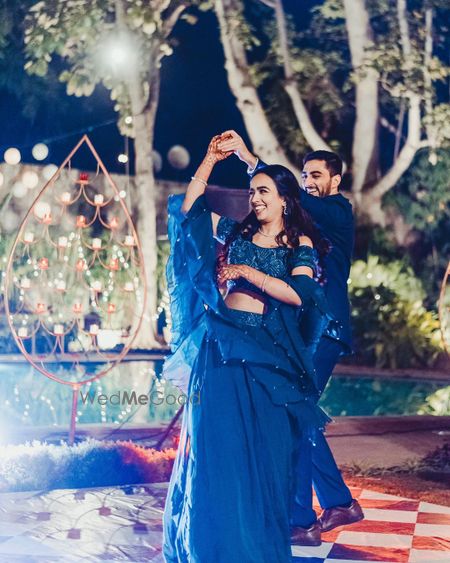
x=12, y=156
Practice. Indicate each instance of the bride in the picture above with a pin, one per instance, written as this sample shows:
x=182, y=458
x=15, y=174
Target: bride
x=248, y=361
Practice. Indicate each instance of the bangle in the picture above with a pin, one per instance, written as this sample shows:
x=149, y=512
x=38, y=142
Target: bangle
x=199, y=180
x=263, y=285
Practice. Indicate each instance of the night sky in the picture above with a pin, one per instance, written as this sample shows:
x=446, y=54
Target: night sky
x=195, y=104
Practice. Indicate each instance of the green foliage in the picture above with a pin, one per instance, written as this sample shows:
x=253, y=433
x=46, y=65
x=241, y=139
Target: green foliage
x=423, y=198
x=438, y=403
x=391, y=326
x=83, y=34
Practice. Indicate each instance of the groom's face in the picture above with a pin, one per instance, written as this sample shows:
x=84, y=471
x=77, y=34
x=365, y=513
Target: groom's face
x=317, y=180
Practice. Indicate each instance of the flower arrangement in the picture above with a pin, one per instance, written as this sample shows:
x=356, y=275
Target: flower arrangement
x=42, y=466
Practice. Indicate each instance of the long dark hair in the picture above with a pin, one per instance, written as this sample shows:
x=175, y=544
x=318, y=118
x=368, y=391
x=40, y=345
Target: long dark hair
x=297, y=222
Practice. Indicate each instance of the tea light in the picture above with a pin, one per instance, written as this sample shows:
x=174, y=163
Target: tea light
x=114, y=223
x=77, y=308
x=62, y=242
x=25, y=283
x=61, y=285
x=129, y=240
x=40, y=308
x=81, y=221
x=114, y=264
x=96, y=243
x=65, y=197
x=111, y=308
x=47, y=219
x=43, y=263
x=96, y=285
x=58, y=329
x=128, y=286
x=22, y=332
x=93, y=330
x=80, y=265
x=28, y=237
x=98, y=199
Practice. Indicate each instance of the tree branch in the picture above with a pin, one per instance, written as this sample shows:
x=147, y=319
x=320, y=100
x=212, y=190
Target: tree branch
x=402, y=16
x=171, y=20
x=314, y=140
x=428, y=54
x=265, y=144
x=407, y=153
x=269, y=3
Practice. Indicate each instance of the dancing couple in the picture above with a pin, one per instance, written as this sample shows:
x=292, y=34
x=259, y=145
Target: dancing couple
x=256, y=333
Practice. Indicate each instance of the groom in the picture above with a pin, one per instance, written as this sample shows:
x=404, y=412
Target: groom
x=332, y=214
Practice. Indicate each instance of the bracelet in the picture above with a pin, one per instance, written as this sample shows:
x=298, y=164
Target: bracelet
x=263, y=285
x=199, y=180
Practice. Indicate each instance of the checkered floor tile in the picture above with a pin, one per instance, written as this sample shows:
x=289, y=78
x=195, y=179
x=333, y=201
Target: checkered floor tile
x=124, y=524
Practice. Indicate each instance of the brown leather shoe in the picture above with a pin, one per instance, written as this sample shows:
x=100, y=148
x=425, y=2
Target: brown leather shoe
x=306, y=536
x=340, y=516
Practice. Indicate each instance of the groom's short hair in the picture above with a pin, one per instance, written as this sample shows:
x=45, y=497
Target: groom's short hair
x=333, y=161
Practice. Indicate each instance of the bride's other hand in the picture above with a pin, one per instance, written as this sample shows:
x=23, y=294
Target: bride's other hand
x=231, y=272
x=214, y=154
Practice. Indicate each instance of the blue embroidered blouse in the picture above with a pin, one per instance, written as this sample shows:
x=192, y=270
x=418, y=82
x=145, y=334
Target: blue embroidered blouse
x=277, y=261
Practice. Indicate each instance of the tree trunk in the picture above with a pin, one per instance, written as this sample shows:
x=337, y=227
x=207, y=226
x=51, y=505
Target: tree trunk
x=265, y=143
x=365, y=148
x=144, y=201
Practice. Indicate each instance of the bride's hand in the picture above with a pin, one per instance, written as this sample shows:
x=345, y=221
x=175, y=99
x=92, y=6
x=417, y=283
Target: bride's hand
x=214, y=154
x=231, y=272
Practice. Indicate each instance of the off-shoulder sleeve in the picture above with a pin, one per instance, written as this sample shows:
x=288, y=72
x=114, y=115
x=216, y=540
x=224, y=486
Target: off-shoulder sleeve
x=304, y=256
x=224, y=228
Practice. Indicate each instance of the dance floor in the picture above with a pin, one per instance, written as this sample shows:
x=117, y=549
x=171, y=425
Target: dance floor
x=124, y=524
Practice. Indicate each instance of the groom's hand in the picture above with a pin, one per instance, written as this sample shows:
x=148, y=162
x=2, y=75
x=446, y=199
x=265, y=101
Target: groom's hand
x=231, y=141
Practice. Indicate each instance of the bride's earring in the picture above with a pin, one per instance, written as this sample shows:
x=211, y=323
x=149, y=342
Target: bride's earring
x=285, y=209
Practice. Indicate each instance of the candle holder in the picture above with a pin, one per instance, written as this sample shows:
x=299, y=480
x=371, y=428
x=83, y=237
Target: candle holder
x=82, y=283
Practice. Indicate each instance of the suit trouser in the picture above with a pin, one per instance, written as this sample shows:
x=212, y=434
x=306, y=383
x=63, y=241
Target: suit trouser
x=317, y=461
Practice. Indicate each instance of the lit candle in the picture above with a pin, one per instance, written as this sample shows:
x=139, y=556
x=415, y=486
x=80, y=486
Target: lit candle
x=77, y=308
x=61, y=285
x=28, y=237
x=43, y=263
x=80, y=265
x=96, y=243
x=40, y=308
x=65, y=197
x=58, y=329
x=129, y=240
x=96, y=285
x=111, y=308
x=22, y=332
x=25, y=283
x=62, y=242
x=98, y=199
x=129, y=286
x=114, y=264
x=114, y=223
x=93, y=330
x=81, y=221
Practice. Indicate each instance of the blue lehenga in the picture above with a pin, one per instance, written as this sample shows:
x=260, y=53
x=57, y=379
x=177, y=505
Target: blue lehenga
x=249, y=382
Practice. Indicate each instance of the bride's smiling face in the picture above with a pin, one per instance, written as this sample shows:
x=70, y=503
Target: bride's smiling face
x=264, y=199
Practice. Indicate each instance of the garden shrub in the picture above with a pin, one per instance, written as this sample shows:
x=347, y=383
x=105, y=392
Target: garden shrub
x=391, y=327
